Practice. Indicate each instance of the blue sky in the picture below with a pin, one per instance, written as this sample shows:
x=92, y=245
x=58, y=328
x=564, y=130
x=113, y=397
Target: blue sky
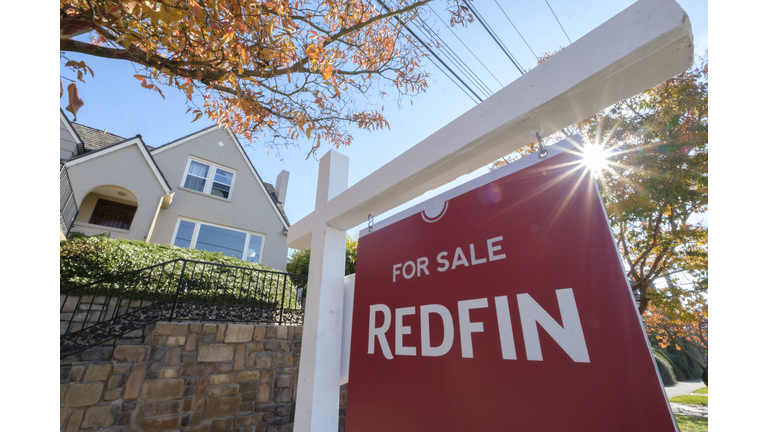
x=115, y=101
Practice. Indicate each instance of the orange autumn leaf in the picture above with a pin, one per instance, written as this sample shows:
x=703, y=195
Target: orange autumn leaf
x=75, y=103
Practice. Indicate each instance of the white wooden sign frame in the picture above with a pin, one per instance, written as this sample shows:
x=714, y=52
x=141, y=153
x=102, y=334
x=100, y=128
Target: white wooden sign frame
x=645, y=44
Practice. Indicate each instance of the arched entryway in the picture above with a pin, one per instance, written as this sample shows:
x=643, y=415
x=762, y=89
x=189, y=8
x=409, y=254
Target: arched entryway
x=109, y=206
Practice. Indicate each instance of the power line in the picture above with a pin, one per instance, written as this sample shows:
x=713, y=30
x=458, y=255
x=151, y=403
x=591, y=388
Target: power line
x=455, y=59
x=446, y=74
x=558, y=21
x=518, y=31
x=493, y=35
x=451, y=54
x=430, y=50
x=465, y=46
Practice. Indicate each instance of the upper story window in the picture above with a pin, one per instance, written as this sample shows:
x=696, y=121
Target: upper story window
x=209, y=178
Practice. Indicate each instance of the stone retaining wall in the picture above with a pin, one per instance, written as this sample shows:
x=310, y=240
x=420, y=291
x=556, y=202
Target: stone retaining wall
x=194, y=377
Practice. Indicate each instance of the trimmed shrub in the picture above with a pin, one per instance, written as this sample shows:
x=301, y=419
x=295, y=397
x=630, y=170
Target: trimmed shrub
x=665, y=370
x=685, y=368
x=679, y=375
x=85, y=260
x=691, y=369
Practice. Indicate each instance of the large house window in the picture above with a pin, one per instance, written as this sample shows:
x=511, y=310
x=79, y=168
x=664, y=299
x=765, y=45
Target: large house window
x=239, y=244
x=209, y=178
x=112, y=214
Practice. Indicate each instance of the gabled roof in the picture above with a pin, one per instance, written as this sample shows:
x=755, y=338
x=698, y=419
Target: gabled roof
x=273, y=195
x=143, y=148
x=276, y=205
x=72, y=131
x=95, y=139
x=184, y=139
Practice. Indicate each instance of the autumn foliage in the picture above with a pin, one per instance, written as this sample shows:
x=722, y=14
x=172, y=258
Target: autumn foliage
x=274, y=70
x=657, y=181
x=686, y=329
x=655, y=184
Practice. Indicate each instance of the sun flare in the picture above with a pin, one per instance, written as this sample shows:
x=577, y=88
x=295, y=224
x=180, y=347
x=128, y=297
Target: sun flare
x=595, y=158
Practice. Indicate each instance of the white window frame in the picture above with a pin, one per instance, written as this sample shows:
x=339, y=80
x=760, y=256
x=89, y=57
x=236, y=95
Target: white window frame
x=196, y=230
x=212, y=167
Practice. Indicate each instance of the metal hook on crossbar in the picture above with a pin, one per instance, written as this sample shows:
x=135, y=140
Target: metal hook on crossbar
x=537, y=131
x=542, y=151
x=370, y=222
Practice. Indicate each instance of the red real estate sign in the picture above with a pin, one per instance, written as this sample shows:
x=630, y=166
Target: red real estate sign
x=505, y=308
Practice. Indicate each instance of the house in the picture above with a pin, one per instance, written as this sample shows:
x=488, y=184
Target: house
x=199, y=191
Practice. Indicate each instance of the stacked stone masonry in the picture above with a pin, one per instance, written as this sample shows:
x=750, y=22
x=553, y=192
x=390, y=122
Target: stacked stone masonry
x=193, y=377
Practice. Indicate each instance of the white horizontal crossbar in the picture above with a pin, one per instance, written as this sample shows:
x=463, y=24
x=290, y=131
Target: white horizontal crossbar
x=645, y=44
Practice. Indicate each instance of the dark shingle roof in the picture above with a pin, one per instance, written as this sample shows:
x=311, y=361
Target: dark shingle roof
x=273, y=195
x=95, y=139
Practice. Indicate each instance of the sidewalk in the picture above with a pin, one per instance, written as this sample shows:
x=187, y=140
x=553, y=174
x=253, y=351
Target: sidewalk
x=684, y=388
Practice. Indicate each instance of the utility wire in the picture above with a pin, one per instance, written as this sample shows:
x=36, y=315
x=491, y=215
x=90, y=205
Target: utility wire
x=465, y=46
x=482, y=19
x=454, y=58
x=430, y=50
x=448, y=54
x=518, y=31
x=471, y=75
x=558, y=21
x=490, y=32
x=446, y=74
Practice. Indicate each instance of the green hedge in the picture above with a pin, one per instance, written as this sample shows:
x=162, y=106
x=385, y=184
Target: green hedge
x=658, y=352
x=682, y=366
x=665, y=369
x=84, y=260
x=689, y=370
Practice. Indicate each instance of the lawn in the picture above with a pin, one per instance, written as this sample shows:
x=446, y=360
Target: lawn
x=692, y=424
x=704, y=390
x=691, y=400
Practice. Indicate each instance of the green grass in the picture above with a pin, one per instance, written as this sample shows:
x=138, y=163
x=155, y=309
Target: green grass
x=691, y=400
x=704, y=390
x=692, y=424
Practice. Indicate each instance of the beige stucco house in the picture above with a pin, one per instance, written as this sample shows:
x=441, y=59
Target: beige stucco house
x=200, y=191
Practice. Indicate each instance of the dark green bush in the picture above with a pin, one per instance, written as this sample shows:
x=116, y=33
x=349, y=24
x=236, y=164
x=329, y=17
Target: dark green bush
x=85, y=260
x=298, y=260
x=683, y=367
x=689, y=369
x=658, y=352
x=665, y=369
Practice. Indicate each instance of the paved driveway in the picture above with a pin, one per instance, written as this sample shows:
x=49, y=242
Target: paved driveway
x=684, y=388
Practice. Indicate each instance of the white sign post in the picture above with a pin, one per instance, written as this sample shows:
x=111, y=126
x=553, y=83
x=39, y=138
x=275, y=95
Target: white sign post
x=645, y=44
x=317, y=404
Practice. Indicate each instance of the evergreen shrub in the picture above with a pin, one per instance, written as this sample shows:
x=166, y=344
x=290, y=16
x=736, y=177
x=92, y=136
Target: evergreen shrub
x=689, y=369
x=665, y=369
x=679, y=375
x=84, y=260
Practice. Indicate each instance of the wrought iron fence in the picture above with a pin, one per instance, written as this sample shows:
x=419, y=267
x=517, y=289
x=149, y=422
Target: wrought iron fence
x=68, y=208
x=177, y=290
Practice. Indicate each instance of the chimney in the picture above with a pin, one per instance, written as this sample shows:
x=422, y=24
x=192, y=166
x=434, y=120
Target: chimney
x=281, y=186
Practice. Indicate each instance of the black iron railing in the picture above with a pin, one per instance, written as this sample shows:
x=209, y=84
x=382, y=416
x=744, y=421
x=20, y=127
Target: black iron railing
x=97, y=312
